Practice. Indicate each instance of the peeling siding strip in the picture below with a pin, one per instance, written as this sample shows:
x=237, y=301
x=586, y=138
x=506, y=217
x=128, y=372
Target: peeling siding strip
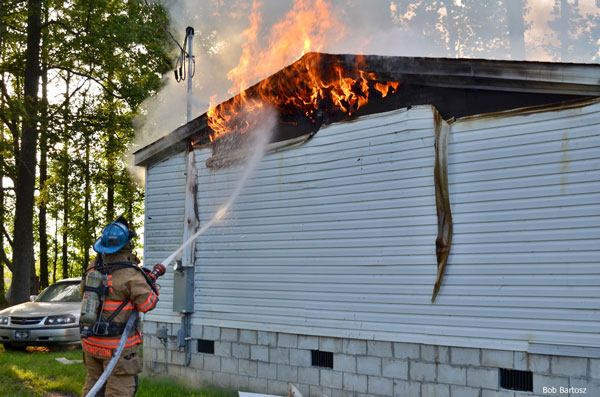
x=442, y=200
x=191, y=207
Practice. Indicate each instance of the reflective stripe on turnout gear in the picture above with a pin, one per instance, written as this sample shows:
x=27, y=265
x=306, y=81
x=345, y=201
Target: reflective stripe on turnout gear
x=112, y=343
x=95, y=350
x=149, y=304
x=109, y=283
x=114, y=305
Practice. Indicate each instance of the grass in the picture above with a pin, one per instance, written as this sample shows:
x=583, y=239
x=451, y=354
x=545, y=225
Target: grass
x=36, y=373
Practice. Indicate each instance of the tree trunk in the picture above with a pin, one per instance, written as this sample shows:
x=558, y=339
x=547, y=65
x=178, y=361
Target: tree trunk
x=451, y=28
x=516, y=29
x=23, y=258
x=111, y=171
x=65, y=177
x=563, y=31
x=1, y=24
x=2, y=286
x=44, y=163
x=65, y=234
x=86, y=208
x=130, y=206
x=110, y=196
x=55, y=262
x=1, y=223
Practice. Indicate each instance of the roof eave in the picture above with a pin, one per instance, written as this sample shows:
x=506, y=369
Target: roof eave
x=170, y=144
x=483, y=74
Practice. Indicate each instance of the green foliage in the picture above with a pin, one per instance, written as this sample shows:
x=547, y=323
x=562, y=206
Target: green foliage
x=103, y=59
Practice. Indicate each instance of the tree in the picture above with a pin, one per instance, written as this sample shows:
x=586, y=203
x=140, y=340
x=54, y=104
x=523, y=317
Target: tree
x=577, y=33
x=65, y=169
x=111, y=52
x=516, y=28
x=44, y=126
x=2, y=252
x=1, y=188
x=455, y=29
x=23, y=259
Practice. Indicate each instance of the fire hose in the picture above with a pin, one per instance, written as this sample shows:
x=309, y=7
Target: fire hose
x=160, y=269
x=157, y=271
x=113, y=361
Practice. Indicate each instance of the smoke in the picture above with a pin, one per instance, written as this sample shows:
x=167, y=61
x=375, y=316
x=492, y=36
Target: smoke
x=251, y=158
x=261, y=136
x=535, y=30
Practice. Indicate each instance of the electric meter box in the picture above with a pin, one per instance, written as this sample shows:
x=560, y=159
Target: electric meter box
x=183, y=289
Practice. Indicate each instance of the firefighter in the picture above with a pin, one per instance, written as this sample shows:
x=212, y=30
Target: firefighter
x=106, y=307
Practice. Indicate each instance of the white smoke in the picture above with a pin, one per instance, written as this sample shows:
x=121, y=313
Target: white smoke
x=375, y=27
x=261, y=136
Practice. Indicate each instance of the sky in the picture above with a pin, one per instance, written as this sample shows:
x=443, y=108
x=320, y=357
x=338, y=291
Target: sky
x=239, y=42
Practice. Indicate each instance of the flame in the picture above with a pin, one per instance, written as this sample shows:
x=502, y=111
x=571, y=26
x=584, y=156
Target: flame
x=306, y=27
x=305, y=86
x=384, y=88
x=240, y=74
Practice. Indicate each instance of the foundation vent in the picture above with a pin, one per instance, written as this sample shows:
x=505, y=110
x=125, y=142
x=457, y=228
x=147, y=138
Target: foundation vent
x=206, y=346
x=322, y=359
x=513, y=379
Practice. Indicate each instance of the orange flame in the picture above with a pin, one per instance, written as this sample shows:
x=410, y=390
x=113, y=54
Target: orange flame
x=303, y=85
x=384, y=88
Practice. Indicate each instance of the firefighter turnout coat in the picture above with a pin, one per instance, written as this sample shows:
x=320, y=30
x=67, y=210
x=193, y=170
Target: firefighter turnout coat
x=129, y=287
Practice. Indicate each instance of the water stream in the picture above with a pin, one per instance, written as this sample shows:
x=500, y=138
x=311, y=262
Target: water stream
x=262, y=136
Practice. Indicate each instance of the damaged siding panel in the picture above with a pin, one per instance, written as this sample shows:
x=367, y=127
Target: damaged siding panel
x=163, y=230
x=321, y=243
x=349, y=214
x=526, y=213
x=351, y=174
x=442, y=201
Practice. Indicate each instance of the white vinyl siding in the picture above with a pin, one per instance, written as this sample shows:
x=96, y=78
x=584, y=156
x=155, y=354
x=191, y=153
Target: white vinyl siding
x=333, y=237
x=337, y=236
x=526, y=207
x=163, y=228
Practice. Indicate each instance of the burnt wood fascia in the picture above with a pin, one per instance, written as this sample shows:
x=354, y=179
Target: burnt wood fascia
x=175, y=142
x=482, y=74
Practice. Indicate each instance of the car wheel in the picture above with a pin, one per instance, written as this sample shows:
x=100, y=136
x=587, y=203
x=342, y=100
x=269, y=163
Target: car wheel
x=13, y=347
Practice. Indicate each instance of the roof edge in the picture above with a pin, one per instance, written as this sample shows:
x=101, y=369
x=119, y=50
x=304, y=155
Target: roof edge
x=481, y=74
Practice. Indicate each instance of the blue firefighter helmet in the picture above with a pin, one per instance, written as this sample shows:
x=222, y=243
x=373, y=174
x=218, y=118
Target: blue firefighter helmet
x=114, y=237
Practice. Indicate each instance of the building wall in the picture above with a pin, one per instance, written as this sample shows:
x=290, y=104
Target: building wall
x=333, y=243
x=524, y=191
x=336, y=237
x=163, y=227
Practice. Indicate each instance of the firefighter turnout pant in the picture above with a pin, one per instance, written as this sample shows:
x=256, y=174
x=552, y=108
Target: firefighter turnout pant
x=122, y=382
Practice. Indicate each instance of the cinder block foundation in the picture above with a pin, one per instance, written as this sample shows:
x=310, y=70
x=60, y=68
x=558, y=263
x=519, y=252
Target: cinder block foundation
x=266, y=362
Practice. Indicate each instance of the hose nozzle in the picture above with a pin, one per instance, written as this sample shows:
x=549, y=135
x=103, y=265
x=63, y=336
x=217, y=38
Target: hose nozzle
x=157, y=271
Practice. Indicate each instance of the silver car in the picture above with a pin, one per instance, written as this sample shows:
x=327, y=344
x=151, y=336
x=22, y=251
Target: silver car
x=51, y=319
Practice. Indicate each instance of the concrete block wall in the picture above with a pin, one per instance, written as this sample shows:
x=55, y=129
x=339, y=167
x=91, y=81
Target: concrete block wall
x=266, y=362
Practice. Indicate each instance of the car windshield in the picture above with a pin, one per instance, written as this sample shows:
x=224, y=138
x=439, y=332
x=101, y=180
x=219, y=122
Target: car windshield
x=60, y=292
